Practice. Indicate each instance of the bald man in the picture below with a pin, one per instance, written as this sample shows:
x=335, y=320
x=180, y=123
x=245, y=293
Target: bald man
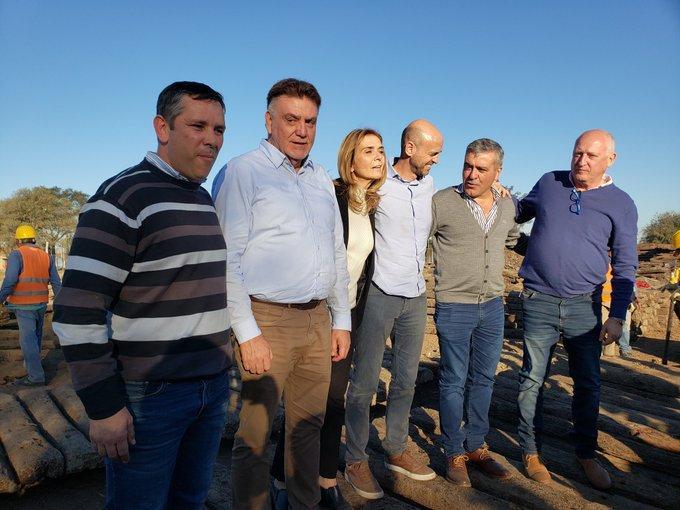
x=396, y=305
x=580, y=218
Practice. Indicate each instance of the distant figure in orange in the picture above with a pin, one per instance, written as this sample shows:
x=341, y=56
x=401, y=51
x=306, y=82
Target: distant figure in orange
x=29, y=270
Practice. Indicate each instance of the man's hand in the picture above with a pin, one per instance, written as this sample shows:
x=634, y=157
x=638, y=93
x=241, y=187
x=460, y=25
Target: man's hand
x=110, y=436
x=256, y=355
x=611, y=330
x=340, y=342
x=502, y=190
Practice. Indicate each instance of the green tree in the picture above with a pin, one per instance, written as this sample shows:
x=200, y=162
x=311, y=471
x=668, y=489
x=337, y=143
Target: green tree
x=53, y=212
x=661, y=228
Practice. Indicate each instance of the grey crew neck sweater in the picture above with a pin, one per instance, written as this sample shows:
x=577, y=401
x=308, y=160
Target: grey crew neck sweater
x=469, y=263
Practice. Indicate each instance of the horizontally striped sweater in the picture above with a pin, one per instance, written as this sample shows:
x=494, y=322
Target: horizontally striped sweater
x=149, y=252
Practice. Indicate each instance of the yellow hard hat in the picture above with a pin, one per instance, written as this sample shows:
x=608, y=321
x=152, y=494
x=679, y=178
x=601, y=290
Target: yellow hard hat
x=25, y=232
x=676, y=239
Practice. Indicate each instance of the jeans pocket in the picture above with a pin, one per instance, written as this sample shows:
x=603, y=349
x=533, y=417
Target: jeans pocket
x=527, y=294
x=138, y=391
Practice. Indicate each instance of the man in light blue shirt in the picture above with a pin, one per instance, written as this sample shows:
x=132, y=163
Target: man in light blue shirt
x=286, y=268
x=396, y=305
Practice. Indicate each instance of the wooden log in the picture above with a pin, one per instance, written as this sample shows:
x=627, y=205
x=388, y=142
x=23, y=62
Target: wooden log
x=11, y=341
x=649, y=382
x=656, y=439
x=616, y=420
x=629, y=480
x=70, y=405
x=650, y=387
x=13, y=355
x=76, y=449
x=32, y=456
x=624, y=448
x=565, y=494
x=8, y=482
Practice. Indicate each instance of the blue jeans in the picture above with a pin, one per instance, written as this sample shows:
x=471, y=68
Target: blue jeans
x=178, y=429
x=30, y=339
x=578, y=321
x=403, y=319
x=470, y=342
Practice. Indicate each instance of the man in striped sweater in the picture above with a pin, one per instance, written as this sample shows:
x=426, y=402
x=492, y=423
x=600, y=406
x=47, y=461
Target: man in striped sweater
x=142, y=312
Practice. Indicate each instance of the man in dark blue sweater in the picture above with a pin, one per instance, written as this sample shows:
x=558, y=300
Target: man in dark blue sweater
x=580, y=217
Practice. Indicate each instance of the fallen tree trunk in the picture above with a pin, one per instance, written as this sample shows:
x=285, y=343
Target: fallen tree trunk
x=520, y=489
x=32, y=456
x=621, y=447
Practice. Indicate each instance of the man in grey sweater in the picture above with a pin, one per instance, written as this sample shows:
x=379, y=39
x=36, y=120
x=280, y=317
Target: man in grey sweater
x=471, y=225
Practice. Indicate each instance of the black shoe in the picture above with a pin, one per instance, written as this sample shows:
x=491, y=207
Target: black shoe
x=25, y=381
x=332, y=498
x=279, y=497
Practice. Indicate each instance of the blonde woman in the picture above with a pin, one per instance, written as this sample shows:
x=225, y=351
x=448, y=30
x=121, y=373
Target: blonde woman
x=362, y=166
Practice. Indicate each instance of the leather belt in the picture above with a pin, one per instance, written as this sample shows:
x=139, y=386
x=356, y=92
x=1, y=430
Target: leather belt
x=298, y=306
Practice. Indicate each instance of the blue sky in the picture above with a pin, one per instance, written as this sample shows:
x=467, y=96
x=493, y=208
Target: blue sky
x=79, y=81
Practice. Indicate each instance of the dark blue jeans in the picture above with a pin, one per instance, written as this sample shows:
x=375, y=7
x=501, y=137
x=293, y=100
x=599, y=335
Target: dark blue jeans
x=578, y=321
x=405, y=319
x=470, y=342
x=30, y=338
x=178, y=429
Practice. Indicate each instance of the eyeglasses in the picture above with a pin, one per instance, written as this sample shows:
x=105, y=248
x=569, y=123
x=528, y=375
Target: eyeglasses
x=575, y=197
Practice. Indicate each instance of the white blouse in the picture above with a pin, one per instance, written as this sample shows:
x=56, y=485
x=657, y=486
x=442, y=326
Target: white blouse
x=359, y=246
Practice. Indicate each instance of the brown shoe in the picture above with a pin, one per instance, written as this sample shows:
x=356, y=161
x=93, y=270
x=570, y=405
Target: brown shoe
x=535, y=469
x=596, y=474
x=483, y=461
x=359, y=476
x=407, y=465
x=456, y=471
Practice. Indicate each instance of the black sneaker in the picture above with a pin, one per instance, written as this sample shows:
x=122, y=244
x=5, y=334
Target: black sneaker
x=332, y=498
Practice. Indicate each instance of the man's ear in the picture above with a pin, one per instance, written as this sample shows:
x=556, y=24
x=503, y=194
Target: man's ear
x=162, y=129
x=610, y=159
x=268, y=122
x=409, y=148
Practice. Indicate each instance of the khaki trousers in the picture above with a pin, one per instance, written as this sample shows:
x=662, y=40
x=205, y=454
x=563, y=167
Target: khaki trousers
x=300, y=370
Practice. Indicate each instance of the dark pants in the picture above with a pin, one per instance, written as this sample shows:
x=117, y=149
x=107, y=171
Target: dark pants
x=470, y=342
x=578, y=321
x=178, y=429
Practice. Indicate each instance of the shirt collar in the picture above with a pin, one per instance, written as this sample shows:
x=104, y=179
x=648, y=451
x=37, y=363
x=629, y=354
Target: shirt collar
x=461, y=191
x=392, y=174
x=278, y=158
x=606, y=181
x=156, y=161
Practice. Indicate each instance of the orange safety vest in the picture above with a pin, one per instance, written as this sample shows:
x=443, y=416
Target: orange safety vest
x=607, y=288
x=31, y=288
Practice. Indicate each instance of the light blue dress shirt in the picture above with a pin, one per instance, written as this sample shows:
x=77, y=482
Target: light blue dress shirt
x=284, y=237
x=402, y=228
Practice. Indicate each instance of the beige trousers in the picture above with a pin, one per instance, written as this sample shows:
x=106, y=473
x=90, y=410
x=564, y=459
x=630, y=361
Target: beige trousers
x=300, y=370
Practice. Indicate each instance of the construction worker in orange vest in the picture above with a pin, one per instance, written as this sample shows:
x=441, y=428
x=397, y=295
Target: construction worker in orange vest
x=24, y=292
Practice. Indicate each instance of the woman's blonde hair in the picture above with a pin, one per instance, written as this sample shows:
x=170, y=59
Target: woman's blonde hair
x=346, y=154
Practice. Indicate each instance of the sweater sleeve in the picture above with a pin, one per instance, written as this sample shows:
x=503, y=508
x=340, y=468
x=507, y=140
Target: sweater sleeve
x=101, y=257
x=12, y=273
x=526, y=207
x=624, y=260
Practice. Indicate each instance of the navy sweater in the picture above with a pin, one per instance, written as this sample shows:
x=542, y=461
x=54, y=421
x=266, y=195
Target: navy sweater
x=144, y=293
x=568, y=253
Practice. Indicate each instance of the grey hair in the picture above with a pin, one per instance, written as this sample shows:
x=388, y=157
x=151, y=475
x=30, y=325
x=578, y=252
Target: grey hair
x=486, y=145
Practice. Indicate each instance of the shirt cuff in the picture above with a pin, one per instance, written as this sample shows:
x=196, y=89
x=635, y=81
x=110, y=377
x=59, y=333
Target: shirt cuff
x=246, y=330
x=342, y=321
